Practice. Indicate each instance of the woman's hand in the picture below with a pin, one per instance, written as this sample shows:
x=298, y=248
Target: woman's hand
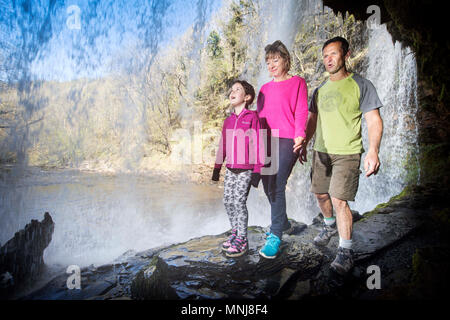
x=298, y=143
x=302, y=155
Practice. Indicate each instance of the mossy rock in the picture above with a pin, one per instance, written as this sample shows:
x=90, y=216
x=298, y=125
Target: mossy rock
x=381, y=208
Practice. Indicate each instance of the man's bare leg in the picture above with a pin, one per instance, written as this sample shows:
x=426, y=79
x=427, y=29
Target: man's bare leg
x=344, y=218
x=325, y=205
x=343, y=262
x=329, y=229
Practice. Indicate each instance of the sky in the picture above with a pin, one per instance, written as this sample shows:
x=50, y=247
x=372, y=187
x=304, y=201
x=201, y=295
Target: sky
x=65, y=40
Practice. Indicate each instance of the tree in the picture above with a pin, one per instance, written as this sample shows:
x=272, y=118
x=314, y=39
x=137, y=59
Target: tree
x=213, y=45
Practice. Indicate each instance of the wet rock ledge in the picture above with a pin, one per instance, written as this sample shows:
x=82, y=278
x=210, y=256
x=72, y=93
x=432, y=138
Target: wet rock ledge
x=197, y=269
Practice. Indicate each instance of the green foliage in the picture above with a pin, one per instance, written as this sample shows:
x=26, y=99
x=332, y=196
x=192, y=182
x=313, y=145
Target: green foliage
x=412, y=167
x=312, y=34
x=435, y=159
x=224, y=64
x=213, y=45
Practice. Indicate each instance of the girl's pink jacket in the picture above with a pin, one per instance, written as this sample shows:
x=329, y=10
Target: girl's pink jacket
x=240, y=143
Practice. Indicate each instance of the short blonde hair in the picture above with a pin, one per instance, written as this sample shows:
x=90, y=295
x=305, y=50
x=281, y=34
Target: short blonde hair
x=278, y=48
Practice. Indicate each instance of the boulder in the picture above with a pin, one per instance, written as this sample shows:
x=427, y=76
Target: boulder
x=21, y=258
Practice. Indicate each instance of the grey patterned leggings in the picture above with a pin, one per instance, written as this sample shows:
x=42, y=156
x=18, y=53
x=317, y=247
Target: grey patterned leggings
x=235, y=193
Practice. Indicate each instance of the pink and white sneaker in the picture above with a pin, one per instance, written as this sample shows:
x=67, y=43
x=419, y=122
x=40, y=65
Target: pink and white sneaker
x=238, y=247
x=227, y=244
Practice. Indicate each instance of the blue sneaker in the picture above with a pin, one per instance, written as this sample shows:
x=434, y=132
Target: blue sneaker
x=271, y=248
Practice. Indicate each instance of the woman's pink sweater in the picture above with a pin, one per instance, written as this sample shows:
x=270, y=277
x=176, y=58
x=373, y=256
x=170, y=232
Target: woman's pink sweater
x=283, y=105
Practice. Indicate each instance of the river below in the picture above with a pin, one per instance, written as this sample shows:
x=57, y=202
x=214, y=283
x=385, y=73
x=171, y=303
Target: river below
x=98, y=217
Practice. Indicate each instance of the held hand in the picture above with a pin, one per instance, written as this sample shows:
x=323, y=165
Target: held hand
x=298, y=143
x=302, y=155
x=371, y=163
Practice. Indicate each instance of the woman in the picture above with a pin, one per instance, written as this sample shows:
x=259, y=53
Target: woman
x=283, y=111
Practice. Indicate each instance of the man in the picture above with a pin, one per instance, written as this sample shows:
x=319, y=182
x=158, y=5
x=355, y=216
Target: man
x=335, y=114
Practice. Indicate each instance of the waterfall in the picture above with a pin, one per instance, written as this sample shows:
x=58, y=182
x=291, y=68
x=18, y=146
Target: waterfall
x=392, y=69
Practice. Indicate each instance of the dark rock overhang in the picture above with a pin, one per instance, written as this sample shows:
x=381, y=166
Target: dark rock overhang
x=409, y=21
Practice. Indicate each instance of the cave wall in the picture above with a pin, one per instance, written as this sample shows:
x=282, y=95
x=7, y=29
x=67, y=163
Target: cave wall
x=419, y=24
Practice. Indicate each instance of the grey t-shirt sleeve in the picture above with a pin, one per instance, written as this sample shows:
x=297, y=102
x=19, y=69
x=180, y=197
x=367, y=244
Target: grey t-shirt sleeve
x=313, y=103
x=368, y=99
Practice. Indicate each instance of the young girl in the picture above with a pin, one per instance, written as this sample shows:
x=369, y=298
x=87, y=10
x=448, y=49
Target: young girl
x=239, y=145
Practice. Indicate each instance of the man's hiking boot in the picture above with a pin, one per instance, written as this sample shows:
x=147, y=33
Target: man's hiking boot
x=343, y=262
x=325, y=235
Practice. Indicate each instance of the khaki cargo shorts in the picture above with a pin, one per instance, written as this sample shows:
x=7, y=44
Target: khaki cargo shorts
x=337, y=175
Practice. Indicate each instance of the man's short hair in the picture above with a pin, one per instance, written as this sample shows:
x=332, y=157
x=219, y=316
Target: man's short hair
x=344, y=43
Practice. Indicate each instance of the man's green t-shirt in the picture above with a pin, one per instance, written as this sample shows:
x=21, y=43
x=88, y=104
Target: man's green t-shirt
x=340, y=105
